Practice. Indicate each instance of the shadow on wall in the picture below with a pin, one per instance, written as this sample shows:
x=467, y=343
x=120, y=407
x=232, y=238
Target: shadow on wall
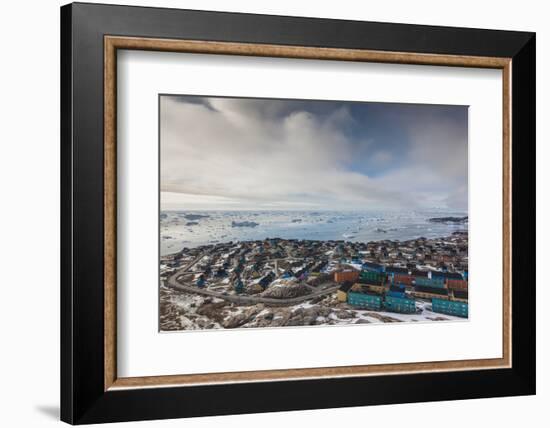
x=50, y=411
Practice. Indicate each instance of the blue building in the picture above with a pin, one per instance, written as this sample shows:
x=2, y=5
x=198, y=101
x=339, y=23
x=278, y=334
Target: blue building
x=372, y=267
x=403, y=305
x=369, y=301
x=396, y=291
x=221, y=272
x=450, y=307
x=238, y=285
x=287, y=274
x=201, y=280
x=266, y=280
x=445, y=275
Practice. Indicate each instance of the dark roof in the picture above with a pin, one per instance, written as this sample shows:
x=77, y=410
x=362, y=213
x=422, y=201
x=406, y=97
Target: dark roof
x=448, y=275
x=369, y=281
x=433, y=290
x=267, y=279
x=397, y=288
x=367, y=292
x=396, y=269
x=416, y=272
x=372, y=265
x=461, y=294
x=346, y=286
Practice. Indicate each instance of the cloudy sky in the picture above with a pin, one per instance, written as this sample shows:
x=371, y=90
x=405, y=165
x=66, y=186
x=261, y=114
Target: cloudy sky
x=266, y=154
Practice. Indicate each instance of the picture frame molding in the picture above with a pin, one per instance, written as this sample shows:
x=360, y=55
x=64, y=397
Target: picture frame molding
x=114, y=43
x=90, y=389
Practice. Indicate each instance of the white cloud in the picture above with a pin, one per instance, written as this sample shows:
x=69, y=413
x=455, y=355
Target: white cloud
x=239, y=154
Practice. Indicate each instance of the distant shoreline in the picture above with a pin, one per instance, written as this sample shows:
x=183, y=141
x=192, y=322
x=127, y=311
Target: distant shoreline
x=335, y=241
x=192, y=229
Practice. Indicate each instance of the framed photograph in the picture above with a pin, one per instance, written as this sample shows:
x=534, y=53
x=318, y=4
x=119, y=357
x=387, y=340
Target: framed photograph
x=276, y=213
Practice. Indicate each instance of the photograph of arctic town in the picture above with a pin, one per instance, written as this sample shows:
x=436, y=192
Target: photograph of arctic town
x=277, y=212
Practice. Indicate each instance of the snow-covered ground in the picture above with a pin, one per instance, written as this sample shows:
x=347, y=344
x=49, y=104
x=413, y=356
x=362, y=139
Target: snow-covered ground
x=182, y=311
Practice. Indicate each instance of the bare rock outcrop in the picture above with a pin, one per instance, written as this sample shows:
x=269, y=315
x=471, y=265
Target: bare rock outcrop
x=241, y=318
x=287, y=291
x=214, y=311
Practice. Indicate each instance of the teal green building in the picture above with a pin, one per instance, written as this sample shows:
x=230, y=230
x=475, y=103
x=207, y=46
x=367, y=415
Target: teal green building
x=430, y=282
x=403, y=305
x=450, y=307
x=371, y=277
x=369, y=301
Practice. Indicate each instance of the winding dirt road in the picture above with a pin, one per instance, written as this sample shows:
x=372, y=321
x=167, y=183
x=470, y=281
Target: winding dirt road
x=173, y=283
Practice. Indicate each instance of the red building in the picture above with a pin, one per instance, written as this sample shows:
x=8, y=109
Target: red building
x=351, y=275
x=457, y=284
x=403, y=279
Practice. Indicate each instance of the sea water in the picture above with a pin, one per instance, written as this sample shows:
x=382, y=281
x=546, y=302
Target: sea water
x=179, y=229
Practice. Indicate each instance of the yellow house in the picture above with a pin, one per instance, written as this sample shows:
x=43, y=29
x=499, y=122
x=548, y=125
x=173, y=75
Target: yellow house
x=424, y=292
x=342, y=296
x=375, y=288
x=342, y=293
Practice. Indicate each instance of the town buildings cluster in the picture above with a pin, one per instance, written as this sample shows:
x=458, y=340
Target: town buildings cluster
x=395, y=289
x=378, y=276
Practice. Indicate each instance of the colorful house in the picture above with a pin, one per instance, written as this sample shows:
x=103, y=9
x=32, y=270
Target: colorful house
x=287, y=274
x=450, y=307
x=238, y=285
x=403, y=279
x=399, y=304
x=396, y=270
x=365, y=300
x=375, y=288
x=396, y=291
x=350, y=275
x=371, y=277
x=446, y=275
x=457, y=284
x=430, y=282
x=342, y=293
x=266, y=280
x=425, y=292
x=201, y=281
x=372, y=267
